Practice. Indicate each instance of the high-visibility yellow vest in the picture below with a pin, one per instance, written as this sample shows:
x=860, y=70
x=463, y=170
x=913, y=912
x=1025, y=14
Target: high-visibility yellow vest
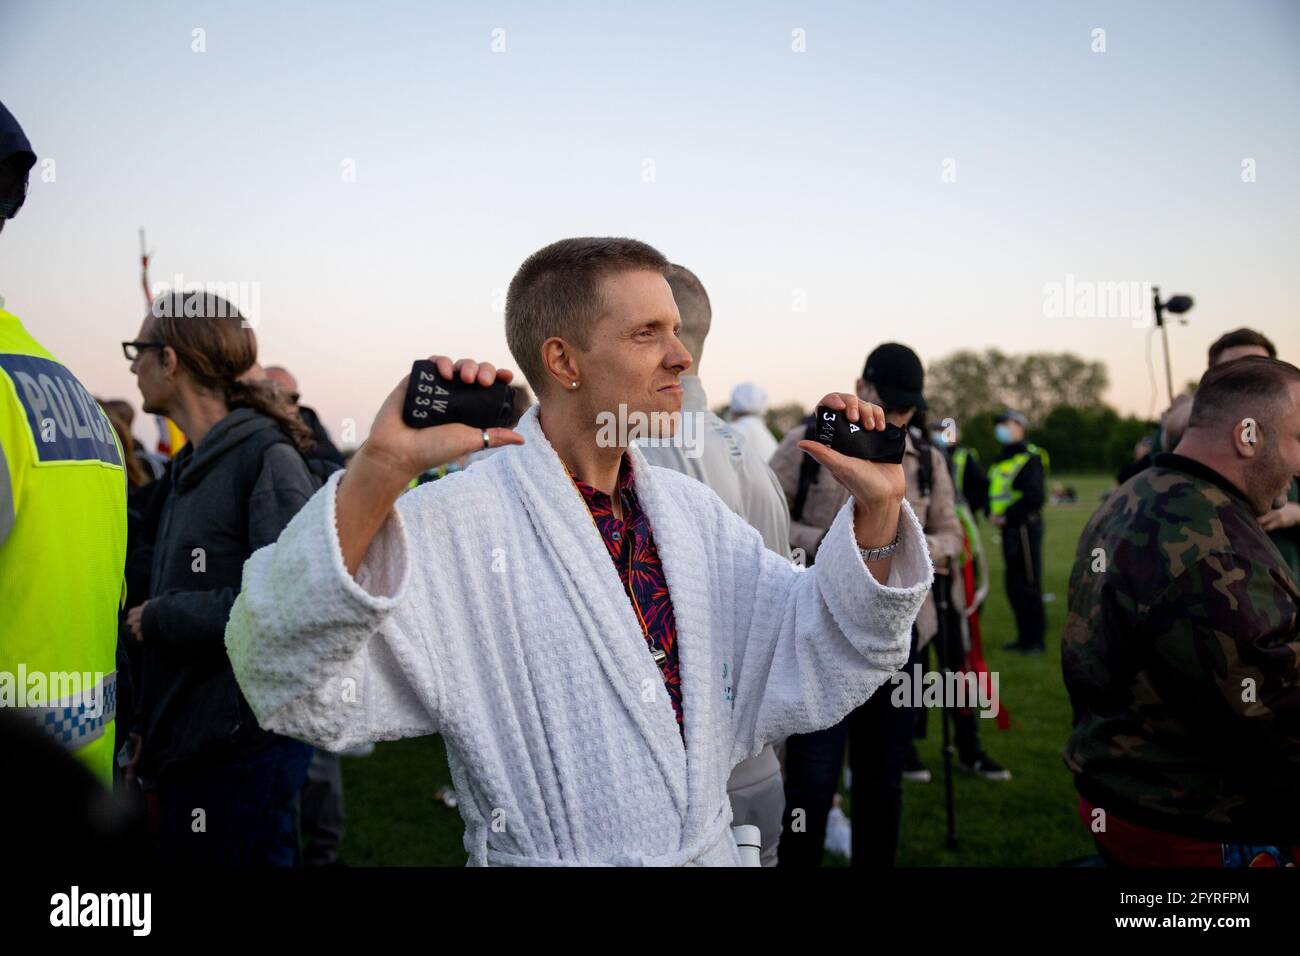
x=962, y=454
x=1003, y=475
x=62, y=550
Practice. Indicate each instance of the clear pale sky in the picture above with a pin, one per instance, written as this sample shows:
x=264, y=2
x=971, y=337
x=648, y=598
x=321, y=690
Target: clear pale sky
x=785, y=179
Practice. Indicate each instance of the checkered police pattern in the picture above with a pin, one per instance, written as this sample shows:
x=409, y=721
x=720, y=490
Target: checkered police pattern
x=80, y=722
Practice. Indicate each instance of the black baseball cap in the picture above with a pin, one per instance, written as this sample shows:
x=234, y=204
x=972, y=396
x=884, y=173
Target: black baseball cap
x=897, y=375
x=16, y=160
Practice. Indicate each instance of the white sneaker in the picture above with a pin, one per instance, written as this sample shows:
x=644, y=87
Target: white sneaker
x=839, y=833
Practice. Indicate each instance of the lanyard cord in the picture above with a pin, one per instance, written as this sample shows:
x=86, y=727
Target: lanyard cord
x=627, y=587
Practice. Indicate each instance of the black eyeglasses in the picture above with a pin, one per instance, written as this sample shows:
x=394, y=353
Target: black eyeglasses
x=290, y=397
x=132, y=350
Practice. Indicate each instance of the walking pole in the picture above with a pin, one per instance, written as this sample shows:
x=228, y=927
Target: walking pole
x=940, y=591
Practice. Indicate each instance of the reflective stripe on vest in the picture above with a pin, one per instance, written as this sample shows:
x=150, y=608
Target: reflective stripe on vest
x=77, y=719
x=1003, y=475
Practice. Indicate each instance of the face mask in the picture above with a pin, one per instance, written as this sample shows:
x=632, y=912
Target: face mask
x=937, y=439
x=9, y=205
x=1003, y=434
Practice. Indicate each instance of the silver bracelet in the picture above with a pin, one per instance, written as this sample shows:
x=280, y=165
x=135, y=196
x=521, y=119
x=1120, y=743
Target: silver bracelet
x=877, y=554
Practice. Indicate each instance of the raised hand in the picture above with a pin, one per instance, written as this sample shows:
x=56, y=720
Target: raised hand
x=395, y=453
x=872, y=483
x=407, y=452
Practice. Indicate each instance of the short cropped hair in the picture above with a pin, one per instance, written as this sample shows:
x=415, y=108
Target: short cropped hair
x=693, y=305
x=556, y=292
x=1250, y=387
x=1238, y=337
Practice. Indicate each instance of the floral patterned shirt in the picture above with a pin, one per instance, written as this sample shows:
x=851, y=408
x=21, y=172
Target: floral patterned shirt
x=631, y=547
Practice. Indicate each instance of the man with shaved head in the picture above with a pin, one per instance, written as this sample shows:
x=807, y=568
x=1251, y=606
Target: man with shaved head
x=1281, y=523
x=1181, y=651
x=287, y=387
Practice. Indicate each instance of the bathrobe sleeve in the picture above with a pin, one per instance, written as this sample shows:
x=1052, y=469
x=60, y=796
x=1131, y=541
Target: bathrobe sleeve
x=326, y=658
x=812, y=644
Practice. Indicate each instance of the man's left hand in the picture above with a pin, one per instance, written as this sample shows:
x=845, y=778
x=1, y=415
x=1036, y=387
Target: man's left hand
x=135, y=621
x=877, y=487
x=1288, y=516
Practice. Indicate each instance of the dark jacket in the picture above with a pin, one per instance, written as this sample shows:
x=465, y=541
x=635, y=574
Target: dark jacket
x=1133, y=466
x=1287, y=540
x=143, y=509
x=225, y=499
x=1179, y=655
x=324, y=449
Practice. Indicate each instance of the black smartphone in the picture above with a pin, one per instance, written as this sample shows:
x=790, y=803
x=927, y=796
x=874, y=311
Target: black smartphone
x=433, y=400
x=833, y=429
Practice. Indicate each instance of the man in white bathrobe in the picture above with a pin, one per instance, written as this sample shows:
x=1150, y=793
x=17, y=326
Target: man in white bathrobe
x=592, y=708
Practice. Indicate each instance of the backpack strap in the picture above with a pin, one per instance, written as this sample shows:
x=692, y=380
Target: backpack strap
x=925, y=468
x=809, y=468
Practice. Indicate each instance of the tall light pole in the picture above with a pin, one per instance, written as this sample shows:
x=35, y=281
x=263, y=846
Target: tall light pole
x=1178, y=305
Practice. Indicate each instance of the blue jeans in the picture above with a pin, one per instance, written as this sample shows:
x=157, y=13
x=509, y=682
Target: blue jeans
x=249, y=810
x=813, y=763
x=322, y=815
x=878, y=735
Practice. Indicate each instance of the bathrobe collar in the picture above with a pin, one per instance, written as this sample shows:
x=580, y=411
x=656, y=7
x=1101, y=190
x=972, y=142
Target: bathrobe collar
x=593, y=587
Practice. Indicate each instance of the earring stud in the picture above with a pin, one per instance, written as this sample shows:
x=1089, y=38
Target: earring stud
x=574, y=385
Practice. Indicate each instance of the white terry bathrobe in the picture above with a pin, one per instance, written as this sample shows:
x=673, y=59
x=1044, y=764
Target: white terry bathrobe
x=487, y=610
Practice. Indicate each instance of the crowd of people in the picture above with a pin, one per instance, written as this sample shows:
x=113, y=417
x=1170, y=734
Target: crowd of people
x=259, y=603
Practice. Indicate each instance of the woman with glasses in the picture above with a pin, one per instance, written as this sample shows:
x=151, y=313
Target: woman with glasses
x=220, y=789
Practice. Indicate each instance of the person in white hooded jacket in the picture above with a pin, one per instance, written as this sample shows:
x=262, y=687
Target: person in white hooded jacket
x=723, y=460
x=747, y=408
x=599, y=641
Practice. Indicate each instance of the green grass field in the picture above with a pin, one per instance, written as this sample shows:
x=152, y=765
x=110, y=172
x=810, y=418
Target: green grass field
x=393, y=819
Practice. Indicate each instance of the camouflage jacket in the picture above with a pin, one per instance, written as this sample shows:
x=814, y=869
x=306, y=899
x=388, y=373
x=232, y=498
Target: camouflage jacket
x=1182, y=661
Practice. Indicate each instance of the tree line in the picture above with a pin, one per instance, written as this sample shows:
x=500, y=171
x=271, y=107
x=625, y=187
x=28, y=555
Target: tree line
x=1060, y=393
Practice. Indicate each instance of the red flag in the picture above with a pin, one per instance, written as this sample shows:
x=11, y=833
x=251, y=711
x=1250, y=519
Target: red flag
x=975, y=658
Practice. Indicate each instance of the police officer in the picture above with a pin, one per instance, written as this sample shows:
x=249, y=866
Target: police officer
x=62, y=527
x=1017, y=482
x=964, y=462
